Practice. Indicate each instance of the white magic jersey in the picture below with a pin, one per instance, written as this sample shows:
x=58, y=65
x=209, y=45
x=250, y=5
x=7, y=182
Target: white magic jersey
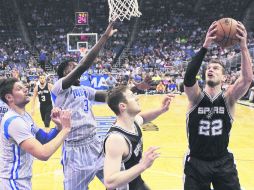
x=15, y=163
x=79, y=100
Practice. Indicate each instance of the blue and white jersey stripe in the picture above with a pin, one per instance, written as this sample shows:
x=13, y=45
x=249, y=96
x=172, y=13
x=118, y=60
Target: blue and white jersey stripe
x=15, y=163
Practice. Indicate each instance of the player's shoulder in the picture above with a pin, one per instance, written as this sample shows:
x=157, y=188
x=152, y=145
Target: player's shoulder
x=10, y=115
x=116, y=143
x=115, y=137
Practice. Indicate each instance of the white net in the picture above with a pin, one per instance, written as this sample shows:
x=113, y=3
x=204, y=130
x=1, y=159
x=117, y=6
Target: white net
x=123, y=9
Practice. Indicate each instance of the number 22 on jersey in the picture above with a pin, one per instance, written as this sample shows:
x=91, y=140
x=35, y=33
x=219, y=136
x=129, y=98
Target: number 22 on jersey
x=210, y=128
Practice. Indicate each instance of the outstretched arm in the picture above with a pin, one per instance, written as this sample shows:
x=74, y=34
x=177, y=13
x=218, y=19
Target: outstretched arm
x=242, y=84
x=191, y=87
x=35, y=94
x=87, y=61
x=153, y=114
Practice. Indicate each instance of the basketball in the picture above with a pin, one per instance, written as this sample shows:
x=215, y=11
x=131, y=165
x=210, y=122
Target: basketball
x=226, y=32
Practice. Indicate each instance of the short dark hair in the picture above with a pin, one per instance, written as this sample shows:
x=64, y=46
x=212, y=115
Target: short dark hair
x=116, y=96
x=62, y=66
x=6, y=87
x=217, y=61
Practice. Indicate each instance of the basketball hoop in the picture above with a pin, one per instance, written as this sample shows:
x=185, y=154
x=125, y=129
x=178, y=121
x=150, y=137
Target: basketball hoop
x=123, y=9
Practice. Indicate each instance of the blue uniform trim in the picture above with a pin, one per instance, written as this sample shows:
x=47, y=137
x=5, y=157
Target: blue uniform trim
x=53, y=97
x=44, y=137
x=6, y=125
x=13, y=184
x=17, y=175
x=14, y=161
x=16, y=185
x=16, y=155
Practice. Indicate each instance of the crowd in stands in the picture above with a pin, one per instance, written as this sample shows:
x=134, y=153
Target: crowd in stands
x=160, y=43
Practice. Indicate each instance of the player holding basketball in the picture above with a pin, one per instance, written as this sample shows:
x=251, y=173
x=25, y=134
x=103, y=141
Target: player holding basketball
x=210, y=117
x=42, y=90
x=123, y=145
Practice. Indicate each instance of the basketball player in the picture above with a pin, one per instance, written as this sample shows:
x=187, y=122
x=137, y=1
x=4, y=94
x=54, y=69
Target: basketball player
x=21, y=139
x=42, y=90
x=82, y=157
x=210, y=117
x=123, y=145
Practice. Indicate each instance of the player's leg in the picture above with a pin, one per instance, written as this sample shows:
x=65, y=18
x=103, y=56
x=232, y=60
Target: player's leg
x=97, y=149
x=77, y=167
x=81, y=164
x=6, y=184
x=226, y=176
x=197, y=175
x=47, y=117
x=10, y=184
x=42, y=111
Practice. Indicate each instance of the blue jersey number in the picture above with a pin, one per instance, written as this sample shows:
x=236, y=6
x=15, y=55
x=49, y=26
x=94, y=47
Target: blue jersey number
x=86, y=105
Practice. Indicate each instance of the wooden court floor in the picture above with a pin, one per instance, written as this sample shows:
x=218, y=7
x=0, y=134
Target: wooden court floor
x=167, y=171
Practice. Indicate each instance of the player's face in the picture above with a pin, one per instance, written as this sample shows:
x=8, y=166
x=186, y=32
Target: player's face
x=214, y=74
x=20, y=94
x=133, y=107
x=69, y=68
x=42, y=79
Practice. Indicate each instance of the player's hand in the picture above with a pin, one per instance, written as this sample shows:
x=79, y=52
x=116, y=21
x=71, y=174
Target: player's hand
x=166, y=102
x=148, y=157
x=110, y=30
x=32, y=112
x=241, y=35
x=55, y=117
x=65, y=118
x=210, y=35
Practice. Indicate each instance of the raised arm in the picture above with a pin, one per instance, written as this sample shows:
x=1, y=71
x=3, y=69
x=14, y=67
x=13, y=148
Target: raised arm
x=35, y=94
x=87, y=60
x=50, y=86
x=242, y=84
x=191, y=87
x=154, y=113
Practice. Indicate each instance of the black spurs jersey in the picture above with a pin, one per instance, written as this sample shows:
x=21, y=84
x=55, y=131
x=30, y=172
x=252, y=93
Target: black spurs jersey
x=135, y=143
x=44, y=95
x=208, y=127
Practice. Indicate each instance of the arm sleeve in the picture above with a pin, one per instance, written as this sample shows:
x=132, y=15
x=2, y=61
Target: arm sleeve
x=193, y=68
x=44, y=137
